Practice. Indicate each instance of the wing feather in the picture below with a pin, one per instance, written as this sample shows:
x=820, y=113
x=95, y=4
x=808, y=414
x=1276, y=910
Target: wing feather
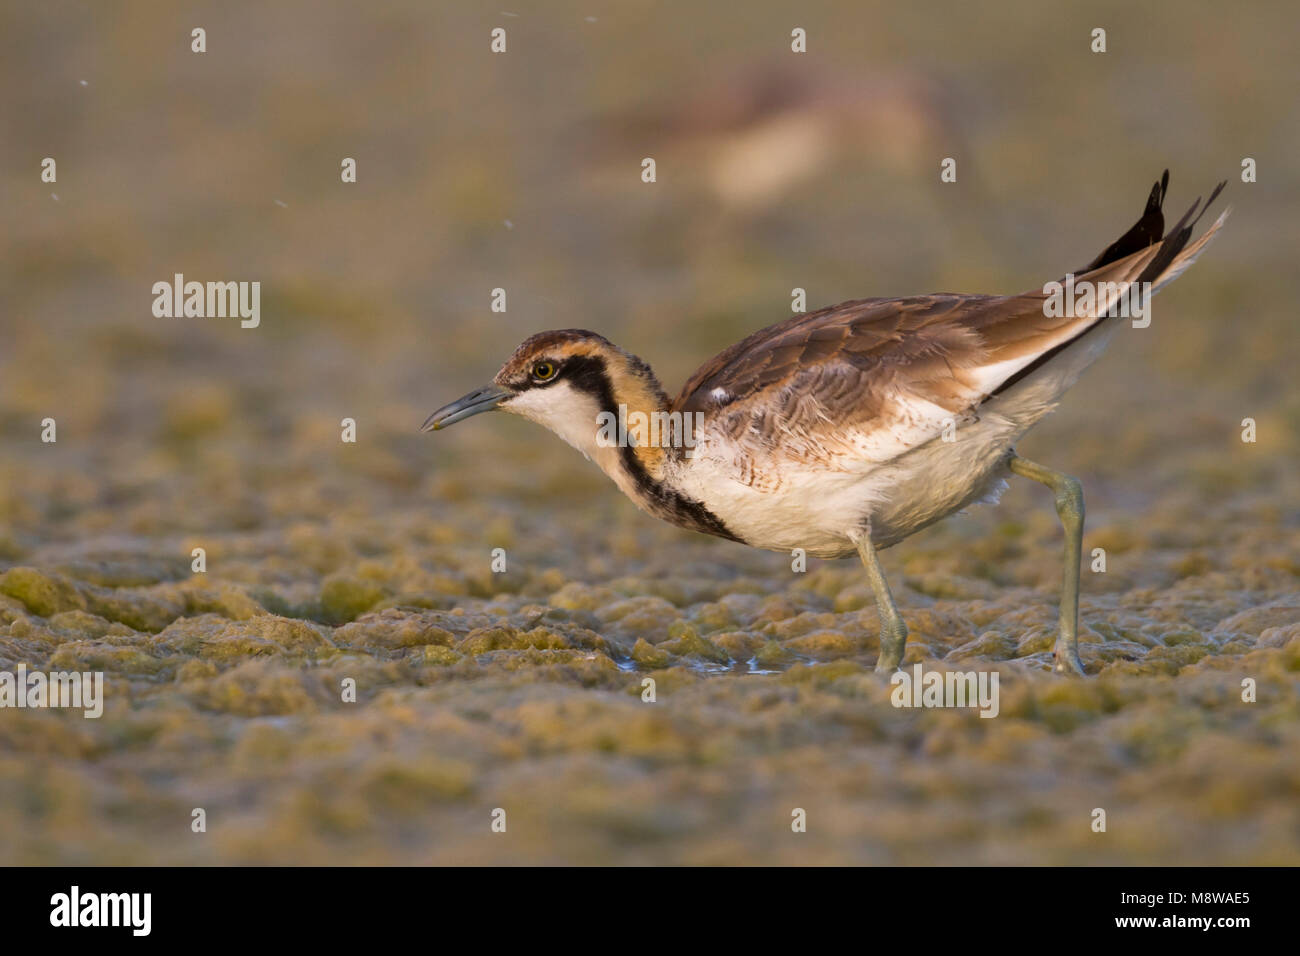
x=871, y=378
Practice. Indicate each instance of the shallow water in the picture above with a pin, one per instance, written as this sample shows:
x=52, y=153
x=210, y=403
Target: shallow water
x=522, y=690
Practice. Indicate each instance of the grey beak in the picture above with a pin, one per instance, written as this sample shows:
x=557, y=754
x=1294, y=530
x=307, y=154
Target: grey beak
x=480, y=400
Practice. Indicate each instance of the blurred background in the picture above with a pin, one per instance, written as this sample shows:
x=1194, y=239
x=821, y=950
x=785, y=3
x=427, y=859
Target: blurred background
x=521, y=690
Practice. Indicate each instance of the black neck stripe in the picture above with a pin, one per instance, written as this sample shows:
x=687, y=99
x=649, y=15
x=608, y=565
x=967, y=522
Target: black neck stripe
x=589, y=374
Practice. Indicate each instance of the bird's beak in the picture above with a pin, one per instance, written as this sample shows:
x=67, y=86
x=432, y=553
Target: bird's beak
x=480, y=400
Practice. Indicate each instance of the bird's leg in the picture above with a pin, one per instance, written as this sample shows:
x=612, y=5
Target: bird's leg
x=1069, y=505
x=893, y=632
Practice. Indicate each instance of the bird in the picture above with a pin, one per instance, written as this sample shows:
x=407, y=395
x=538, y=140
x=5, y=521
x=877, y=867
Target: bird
x=845, y=430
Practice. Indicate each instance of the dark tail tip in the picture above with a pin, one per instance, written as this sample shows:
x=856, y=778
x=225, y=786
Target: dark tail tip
x=1179, y=236
x=1149, y=229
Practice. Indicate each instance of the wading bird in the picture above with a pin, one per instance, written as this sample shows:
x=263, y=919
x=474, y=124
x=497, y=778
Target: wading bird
x=848, y=429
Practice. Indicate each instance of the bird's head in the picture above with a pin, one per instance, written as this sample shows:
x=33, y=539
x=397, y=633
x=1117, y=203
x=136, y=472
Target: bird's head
x=563, y=380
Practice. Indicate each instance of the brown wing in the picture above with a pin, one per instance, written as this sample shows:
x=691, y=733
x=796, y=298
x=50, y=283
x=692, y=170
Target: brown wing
x=863, y=381
x=906, y=363
x=865, y=337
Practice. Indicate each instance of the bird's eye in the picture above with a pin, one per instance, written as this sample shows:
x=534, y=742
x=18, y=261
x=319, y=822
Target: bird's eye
x=543, y=371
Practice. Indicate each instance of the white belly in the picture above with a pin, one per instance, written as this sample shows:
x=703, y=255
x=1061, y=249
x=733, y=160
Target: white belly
x=815, y=508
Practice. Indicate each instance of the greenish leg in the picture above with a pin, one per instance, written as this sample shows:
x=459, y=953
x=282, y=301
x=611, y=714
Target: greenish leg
x=893, y=632
x=1069, y=505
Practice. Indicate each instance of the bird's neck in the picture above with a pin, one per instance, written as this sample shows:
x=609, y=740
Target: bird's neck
x=639, y=441
x=626, y=406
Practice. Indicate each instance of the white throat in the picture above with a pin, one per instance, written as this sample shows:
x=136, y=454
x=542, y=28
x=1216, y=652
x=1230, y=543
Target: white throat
x=572, y=414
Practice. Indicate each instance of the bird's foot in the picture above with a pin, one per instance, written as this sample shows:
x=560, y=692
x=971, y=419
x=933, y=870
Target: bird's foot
x=1066, y=661
x=892, y=641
